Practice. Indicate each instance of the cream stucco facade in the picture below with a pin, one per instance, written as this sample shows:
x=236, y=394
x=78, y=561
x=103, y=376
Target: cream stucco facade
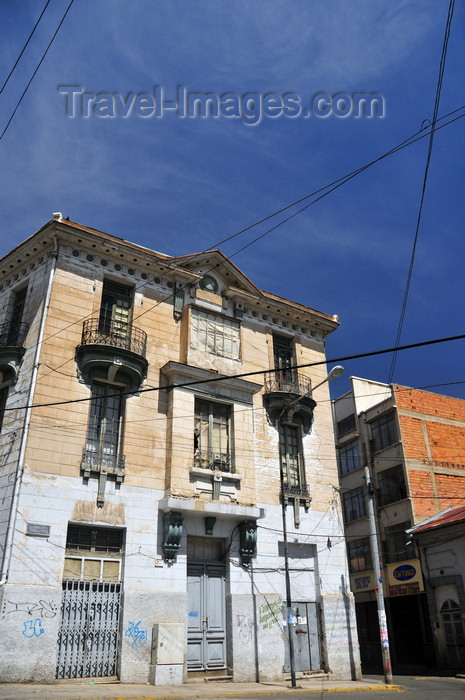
x=143, y=400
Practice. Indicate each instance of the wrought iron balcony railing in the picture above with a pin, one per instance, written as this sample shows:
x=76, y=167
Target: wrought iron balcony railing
x=114, y=334
x=13, y=335
x=295, y=490
x=287, y=381
x=214, y=460
x=100, y=458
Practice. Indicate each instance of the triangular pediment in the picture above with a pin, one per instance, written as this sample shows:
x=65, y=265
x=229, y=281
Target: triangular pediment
x=215, y=265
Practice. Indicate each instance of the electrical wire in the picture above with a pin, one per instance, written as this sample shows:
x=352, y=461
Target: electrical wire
x=423, y=191
x=222, y=377
x=35, y=71
x=24, y=48
x=337, y=183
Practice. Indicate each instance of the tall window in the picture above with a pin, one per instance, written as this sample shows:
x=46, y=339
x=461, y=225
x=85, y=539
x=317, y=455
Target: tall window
x=290, y=445
x=216, y=334
x=354, y=504
x=395, y=543
x=19, y=300
x=3, y=398
x=212, y=435
x=454, y=632
x=383, y=432
x=115, y=308
x=349, y=457
x=359, y=554
x=104, y=435
x=283, y=359
x=392, y=485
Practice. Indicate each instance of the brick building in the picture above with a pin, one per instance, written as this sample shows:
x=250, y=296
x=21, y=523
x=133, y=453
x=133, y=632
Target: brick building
x=413, y=442
x=144, y=434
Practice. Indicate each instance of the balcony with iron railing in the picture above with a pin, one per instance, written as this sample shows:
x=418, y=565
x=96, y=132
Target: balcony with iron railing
x=13, y=335
x=205, y=459
x=115, y=334
x=12, y=348
x=93, y=460
x=115, y=348
x=285, y=387
x=102, y=463
x=287, y=382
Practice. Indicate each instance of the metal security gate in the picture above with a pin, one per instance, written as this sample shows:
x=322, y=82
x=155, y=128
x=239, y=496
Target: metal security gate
x=89, y=632
x=304, y=630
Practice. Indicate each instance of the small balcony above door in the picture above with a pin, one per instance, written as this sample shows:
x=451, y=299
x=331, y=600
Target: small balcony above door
x=113, y=350
x=284, y=387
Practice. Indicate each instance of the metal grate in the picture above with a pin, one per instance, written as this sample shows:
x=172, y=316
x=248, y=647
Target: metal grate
x=89, y=632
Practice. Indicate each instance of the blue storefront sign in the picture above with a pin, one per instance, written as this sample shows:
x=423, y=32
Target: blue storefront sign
x=404, y=572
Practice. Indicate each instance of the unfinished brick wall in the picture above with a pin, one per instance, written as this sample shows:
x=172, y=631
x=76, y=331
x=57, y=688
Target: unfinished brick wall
x=447, y=443
x=432, y=404
x=422, y=493
x=434, y=449
x=412, y=437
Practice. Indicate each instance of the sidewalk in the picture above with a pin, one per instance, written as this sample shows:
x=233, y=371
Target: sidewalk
x=84, y=690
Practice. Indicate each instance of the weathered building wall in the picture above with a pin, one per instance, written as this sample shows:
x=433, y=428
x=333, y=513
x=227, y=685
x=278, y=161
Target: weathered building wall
x=161, y=476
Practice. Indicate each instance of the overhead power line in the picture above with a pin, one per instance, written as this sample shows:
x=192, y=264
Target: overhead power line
x=243, y=375
x=35, y=70
x=24, y=48
x=425, y=179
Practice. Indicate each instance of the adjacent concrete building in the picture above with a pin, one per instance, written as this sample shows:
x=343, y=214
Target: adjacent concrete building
x=413, y=443
x=144, y=431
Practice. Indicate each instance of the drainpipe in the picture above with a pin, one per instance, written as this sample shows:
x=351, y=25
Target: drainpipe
x=22, y=450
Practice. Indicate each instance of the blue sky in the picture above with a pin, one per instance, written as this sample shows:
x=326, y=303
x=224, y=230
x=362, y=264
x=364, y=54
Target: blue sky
x=182, y=185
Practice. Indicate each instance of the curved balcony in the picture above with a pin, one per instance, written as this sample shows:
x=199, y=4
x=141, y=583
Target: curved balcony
x=12, y=342
x=285, y=387
x=112, y=350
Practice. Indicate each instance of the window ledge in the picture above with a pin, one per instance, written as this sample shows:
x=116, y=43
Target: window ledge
x=388, y=447
x=225, y=510
x=230, y=476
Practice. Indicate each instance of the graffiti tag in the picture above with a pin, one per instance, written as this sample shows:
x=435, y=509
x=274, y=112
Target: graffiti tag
x=138, y=636
x=245, y=626
x=33, y=628
x=41, y=608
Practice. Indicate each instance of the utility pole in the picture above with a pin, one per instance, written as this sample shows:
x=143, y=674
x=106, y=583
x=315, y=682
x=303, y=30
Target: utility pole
x=289, y=611
x=378, y=572
x=335, y=372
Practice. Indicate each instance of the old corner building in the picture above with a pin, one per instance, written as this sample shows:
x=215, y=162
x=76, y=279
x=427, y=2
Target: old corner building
x=144, y=426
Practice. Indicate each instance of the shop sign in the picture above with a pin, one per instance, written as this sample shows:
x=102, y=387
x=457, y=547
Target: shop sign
x=362, y=582
x=403, y=575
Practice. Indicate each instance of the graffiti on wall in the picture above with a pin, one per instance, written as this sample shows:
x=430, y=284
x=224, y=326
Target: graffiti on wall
x=138, y=636
x=269, y=613
x=42, y=608
x=33, y=628
x=245, y=627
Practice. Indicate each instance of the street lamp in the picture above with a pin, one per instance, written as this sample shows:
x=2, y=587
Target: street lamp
x=333, y=374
